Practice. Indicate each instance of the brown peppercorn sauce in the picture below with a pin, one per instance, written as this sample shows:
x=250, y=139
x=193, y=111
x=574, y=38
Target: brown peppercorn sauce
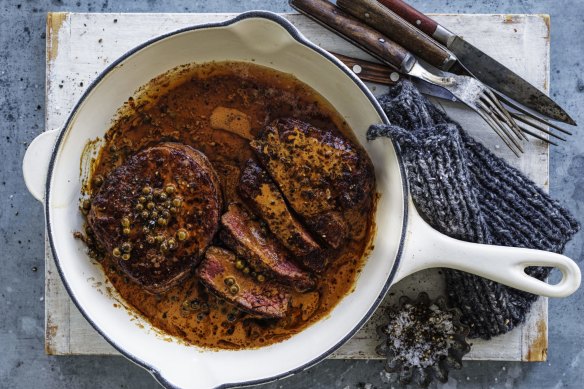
x=177, y=107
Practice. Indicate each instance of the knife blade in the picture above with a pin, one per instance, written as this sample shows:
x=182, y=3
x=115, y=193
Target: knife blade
x=481, y=65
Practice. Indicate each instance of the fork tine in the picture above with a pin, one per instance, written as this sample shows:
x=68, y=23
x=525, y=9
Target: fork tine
x=524, y=130
x=529, y=114
x=509, y=134
x=500, y=115
x=489, y=112
x=496, y=128
x=527, y=131
x=506, y=116
x=535, y=124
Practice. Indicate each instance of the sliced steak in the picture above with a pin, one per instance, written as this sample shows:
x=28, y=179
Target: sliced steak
x=330, y=227
x=157, y=213
x=260, y=193
x=317, y=170
x=249, y=240
x=219, y=274
x=317, y=261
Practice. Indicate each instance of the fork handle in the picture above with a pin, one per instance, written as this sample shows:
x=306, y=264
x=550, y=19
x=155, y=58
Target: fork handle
x=357, y=32
x=400, y=31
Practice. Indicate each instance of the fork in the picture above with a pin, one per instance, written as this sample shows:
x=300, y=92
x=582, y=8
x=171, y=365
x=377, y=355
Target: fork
x=476, y=96
x=383, y=74
x=466, y=89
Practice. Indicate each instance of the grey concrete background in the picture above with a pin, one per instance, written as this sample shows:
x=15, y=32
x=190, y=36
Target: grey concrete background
x=23, y=363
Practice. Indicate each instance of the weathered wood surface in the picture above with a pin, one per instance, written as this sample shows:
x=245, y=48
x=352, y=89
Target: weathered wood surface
x=79, y=46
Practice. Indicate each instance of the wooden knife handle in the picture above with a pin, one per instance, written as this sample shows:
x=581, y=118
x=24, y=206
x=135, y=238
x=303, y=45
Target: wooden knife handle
x=400, y=31
x=412, y=15
x=369, y=71
x=357, y=32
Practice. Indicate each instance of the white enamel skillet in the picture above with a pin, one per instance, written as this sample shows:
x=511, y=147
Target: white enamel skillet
x=404, y=243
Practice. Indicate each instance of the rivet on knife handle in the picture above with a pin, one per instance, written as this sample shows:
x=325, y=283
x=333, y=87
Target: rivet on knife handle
x=369, y=71
x=418, y=19
x=400, y=31
x=357, y=32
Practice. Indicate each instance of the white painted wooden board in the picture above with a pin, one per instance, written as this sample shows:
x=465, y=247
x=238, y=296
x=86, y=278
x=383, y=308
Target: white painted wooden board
x=79, y=46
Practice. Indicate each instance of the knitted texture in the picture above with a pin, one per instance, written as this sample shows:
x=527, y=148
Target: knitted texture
x=463, y=190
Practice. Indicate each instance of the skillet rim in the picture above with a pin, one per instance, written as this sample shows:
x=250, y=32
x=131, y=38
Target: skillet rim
x=300, y=39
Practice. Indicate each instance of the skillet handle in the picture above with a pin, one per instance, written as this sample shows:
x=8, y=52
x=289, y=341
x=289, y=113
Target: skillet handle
x=427, y=248
x=35, y=164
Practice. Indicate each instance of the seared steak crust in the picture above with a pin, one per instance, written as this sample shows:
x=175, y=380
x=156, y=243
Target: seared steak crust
x=219, y=274
x=157, y=213
x=330, y=227
x=249, y=240
x=317, y=170
x=263, y=196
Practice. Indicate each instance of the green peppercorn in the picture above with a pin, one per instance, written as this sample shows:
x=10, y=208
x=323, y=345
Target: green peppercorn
x=171, y=244
x=173, y=210
x=116, y=252
x=161, y=221
x=139, y=207
x=163, y=247
x=170, y=189
x=126, y=247
x=125, y=256
x=145, y=214
x=146, y=190
x=162, y=196
x=125, y=222
x=145, y=230
x=229, y=281
x=195, y=304
x=154, y=214
x=126, y=231
x=142, y=199
x=254, y=274
x=181, y=234
x=239, y=264
x=149, y=197
x=234, y=289
x=246, y=270
x=165, y=214
x=159, y=238
x=150, y=205
x=177, y=202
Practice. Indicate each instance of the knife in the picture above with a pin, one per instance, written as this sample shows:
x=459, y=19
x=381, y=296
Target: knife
x=481, y=65
x=384, y=75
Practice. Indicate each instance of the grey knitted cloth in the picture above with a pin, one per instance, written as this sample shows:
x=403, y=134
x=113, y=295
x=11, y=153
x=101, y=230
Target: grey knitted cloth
x=465, y=191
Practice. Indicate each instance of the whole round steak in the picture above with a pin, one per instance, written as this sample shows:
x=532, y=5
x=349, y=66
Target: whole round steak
x=156, y=214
